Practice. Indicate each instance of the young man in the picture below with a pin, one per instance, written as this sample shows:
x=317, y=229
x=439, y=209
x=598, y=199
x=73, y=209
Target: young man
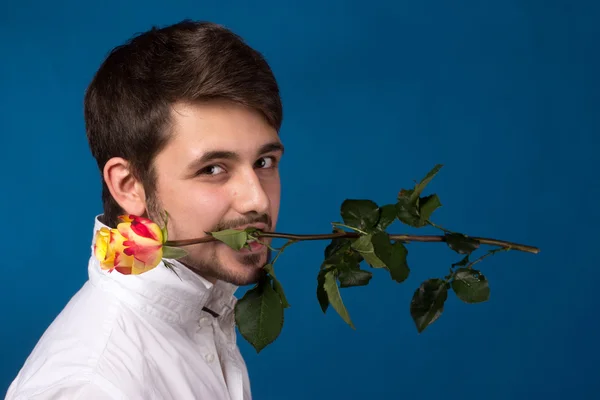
x=183, y=119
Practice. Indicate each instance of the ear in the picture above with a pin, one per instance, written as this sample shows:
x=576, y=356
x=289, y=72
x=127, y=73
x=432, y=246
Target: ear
x=127, y=191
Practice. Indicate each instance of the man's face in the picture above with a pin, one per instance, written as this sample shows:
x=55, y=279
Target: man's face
x=219, y=171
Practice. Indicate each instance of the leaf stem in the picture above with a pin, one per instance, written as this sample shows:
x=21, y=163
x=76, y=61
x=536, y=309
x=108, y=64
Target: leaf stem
x=281, y=249
x=439, y=227
x=449, y=277
x=349, y=227
x=399, y=237
x=489, y=253
x=264, y=243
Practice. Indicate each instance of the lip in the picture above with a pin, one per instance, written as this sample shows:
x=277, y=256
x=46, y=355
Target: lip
x=260, y=226
x=254, y=248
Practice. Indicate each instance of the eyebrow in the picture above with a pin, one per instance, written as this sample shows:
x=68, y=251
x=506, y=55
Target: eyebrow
x=230, y=155
x=269, y=147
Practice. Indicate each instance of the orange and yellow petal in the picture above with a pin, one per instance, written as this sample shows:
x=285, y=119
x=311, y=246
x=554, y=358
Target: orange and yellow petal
x=124, y=229
x=123, y=260
x=101, y=244
x=144, y=227
x=139, y=267
x=117, y=241
x=149, y=255
x=141, y=234
x=107, y=265
x=126, y=218
x=142, y=241
x=124, y=270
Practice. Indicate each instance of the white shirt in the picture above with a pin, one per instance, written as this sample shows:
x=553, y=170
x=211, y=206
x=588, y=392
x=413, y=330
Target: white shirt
x=140, y=337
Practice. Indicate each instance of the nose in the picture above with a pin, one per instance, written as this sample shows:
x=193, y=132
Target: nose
x=249, y=194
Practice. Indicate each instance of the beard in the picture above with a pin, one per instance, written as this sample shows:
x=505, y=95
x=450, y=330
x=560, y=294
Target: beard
x=204, y=261
x=248, y=270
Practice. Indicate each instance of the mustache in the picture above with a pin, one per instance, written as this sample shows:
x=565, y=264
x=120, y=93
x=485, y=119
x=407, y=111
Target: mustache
x=252, y=219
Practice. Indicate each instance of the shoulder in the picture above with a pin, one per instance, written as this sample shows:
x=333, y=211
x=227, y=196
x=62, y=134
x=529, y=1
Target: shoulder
x=69, y=359
x=80, y=387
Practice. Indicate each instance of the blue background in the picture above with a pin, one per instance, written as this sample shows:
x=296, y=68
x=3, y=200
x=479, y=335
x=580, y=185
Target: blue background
x=505, y=94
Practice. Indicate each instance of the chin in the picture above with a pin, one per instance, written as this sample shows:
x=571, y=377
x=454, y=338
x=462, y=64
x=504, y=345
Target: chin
x=239, y=268
x=243, y=277
x=245, y=269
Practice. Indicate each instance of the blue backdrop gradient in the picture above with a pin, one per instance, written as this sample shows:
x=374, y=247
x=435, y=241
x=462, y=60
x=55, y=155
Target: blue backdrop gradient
x=505, y=94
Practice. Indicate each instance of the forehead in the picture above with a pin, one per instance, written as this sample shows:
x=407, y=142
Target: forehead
x=198, y=128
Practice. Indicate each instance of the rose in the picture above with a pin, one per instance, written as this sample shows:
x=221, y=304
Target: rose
x=143, y=245
x=134, y=247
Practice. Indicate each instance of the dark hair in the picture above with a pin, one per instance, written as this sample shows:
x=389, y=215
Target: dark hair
x=127, y=104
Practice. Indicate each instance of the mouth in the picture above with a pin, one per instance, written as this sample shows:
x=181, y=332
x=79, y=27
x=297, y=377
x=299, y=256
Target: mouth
x=260, y=226
x=254, y=246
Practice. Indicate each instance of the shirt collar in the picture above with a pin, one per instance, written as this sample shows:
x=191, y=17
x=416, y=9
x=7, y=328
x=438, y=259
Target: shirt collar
x=177, y=297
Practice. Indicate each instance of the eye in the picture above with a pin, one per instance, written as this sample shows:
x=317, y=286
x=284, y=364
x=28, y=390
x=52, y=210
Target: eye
x=266, y=162
x=210, y=170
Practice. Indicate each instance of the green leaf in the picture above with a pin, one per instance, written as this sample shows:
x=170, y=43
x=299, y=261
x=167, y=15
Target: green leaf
x=336, y=247
x=251, y=229
x=234, y=238
x=393, y=255
x=321, y=293
x=259, y=315
x=470, y=286
x=414, y=210
x=428, y=205
x=428, y=303
x=408, y=212
x=460, y=243
x=170, y=267
x=173, y=252
x=349, y=277
x=163, y=230
x=397, y=265
x=334, y=297
x=340, y=255
x=382, y=246
x=361, y=214
x=277, y=285
x=424, y=182
x=387, y=215
x=364, y=246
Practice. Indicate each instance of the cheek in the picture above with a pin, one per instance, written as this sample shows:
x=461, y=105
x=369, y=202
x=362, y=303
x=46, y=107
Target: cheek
x=273, y=190
x=193, y=208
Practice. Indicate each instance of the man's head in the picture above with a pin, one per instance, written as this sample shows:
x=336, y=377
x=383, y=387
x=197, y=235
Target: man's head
x=186, y=120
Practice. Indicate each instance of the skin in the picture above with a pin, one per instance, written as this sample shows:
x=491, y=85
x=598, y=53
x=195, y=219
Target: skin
x=218, y=171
